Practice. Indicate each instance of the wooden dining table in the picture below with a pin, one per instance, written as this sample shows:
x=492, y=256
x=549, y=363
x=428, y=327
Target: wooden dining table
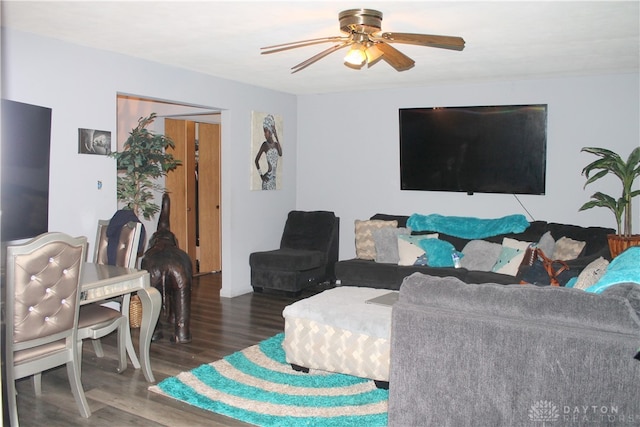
x=100, y=282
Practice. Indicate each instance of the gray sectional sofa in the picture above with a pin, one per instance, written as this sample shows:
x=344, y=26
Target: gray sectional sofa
x=369, y=273
x=514, y=355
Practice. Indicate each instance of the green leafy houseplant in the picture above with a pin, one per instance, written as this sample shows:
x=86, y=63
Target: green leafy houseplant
x=141, y=162
x=627, y=171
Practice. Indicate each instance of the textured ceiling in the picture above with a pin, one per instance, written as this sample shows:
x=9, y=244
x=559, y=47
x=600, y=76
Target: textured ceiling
x=504, y=40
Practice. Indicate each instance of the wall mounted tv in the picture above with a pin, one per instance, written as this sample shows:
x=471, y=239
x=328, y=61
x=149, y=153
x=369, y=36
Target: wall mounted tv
x=24, y=178
x=488, y=149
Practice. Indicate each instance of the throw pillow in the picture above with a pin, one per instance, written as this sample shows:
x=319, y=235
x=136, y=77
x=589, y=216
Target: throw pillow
x=386, y=243
x=408, y=249
x=567, y=249
x=511, y=256
x=591, y=273
x=365, y=246
x=547, y=244
x=480, y=255
x=438, y=252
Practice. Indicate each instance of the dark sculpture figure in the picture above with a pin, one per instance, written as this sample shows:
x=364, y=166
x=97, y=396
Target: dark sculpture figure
x=171, y=272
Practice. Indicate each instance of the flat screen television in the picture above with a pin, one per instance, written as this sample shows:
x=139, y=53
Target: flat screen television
x=487, y=149
x=24, y=178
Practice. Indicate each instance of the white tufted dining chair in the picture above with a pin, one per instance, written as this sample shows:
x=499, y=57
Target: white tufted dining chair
x=97, y=321
x=127, y=250
x=42, y=306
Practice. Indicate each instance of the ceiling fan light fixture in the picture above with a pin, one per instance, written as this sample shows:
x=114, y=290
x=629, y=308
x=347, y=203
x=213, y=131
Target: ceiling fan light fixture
x=373, y=54
x=362, y=33
x=356, y=56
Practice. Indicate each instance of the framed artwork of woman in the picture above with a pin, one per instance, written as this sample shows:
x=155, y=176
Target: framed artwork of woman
x=266, y=151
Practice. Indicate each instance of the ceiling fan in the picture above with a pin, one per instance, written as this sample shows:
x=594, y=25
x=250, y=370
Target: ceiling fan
x=368, y=43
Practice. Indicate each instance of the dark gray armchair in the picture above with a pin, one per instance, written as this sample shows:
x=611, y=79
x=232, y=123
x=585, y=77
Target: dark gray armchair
x=307, y=255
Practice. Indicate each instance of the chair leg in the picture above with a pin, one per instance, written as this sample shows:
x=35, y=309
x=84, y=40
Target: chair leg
x=122, y=344
x=97, y=347
x=73, y=371
x=79, y=356
x=11, y=400
x=126, y=302
x=37, y=383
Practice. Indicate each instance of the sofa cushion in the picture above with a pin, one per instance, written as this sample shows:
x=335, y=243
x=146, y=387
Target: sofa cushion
x=308, y=230
x=539, y=305
x=480, y=255
x=595, y=237
x=287, y=259
x=365, y=245
x=532, y=234
x=459, y=273
x=402, y=219
x=458, y=242
x=360, y=272
x=478, y=277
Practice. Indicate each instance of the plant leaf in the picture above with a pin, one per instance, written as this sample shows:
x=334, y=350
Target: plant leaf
x=144, y=159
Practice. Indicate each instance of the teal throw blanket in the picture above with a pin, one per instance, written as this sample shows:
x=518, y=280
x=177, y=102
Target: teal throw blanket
x=624, y=268
x=468, y=227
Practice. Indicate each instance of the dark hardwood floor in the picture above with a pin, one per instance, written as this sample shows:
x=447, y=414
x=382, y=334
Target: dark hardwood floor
x=220, y=326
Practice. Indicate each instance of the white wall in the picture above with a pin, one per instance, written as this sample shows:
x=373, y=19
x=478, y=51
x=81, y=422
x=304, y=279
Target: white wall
x=81, y=86
x=347, y=160
x=349, y=150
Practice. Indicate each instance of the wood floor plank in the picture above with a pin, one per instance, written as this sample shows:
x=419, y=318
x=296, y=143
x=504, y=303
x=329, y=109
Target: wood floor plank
x=219, y=326
x=151, y=410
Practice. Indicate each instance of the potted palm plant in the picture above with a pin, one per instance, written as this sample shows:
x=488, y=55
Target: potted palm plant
x=627, y=171
x=142, y=161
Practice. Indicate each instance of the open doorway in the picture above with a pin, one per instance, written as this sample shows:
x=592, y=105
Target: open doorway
x=194, y=187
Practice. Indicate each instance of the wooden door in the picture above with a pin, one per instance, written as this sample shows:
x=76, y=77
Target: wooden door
x=209, y=197
x=195, y=207
x=181, y=184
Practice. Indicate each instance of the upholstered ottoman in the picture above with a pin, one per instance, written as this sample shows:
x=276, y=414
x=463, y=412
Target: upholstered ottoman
x=337, y=331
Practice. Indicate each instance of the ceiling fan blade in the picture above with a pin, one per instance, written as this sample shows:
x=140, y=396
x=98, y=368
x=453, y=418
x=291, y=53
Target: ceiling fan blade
x=319, y=56
x=301, y=43
x=394, y=57
x=443, y=42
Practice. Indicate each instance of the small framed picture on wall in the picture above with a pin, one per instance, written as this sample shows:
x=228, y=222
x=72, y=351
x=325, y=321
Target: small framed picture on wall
x=91, y=141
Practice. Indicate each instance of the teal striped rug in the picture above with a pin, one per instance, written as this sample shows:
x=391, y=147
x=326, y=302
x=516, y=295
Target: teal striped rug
x=257, y=386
